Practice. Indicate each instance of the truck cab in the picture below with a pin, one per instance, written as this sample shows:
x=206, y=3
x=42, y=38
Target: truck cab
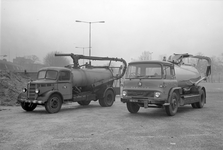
x=148, y=82
x=53, y=79
x=53, y=83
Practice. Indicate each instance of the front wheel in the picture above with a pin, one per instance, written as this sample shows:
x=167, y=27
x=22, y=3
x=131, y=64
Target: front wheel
x=172, y=108
x=53, y=104
x=28, y=106
x=108, y=99
x=132, y=107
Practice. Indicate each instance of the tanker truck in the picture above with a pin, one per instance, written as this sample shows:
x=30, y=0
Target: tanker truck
x=165, y=84
x=75, y=83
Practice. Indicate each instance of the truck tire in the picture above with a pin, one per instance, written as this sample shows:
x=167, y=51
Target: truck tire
x=28, y=106
x=53, y=104
x=194, y=105
x=108, y=99
x=132, y=107
x=84, y=103
x=171, y=109
x=201, y=102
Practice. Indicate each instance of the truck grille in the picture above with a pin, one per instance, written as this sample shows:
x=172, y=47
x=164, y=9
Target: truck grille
x=31, y=91
x=141, y=93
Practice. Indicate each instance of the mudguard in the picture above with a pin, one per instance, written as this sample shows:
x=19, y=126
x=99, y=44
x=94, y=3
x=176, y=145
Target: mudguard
x=109, y=88
x=49, y=93
x=178, y=89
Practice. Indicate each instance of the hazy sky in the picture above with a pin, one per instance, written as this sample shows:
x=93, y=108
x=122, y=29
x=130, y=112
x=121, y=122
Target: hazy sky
x=36, y=27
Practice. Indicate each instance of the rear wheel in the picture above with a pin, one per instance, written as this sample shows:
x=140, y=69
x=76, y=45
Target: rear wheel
x=28, y=106
x=132, y=107
x=108, y=99
x=200, y=104
x=53, y=104
x=171, y=109
x=84, y=103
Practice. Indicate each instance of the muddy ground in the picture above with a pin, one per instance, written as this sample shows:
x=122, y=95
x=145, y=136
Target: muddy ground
x=11, y=85
x=96, y=128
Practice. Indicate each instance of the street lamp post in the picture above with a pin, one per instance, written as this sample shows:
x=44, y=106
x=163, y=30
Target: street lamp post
x=83, y=50
x=150, y=55
x=90, y=31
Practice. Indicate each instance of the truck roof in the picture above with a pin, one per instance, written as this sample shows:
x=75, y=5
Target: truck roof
x=151, y=61
x=55, y=68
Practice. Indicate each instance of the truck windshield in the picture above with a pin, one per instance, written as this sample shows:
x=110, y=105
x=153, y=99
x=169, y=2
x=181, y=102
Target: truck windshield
x=47, y=74
x=144, y=71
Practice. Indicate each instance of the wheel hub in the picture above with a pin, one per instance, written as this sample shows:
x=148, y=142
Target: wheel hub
x=174, y=103
x=54, y=103
x=109, y=98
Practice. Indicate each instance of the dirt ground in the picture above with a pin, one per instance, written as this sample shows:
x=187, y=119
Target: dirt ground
x=96, y=128
x=11, y=85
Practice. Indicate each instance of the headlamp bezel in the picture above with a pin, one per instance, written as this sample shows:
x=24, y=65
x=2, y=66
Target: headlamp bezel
x=24, y=90
x=37, y=91
x=124, y=93
x=157, y=94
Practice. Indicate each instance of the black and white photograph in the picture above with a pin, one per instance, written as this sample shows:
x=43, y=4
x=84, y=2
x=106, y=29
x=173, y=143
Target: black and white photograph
x=111, y=75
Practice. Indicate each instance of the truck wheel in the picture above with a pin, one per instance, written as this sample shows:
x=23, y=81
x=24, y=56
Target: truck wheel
x=132, y=107
x=84, y=103
x=201, y=102
x=28, y=106
x=108, y=100
x=171, y=109
x=53, y=104
x=194, y=105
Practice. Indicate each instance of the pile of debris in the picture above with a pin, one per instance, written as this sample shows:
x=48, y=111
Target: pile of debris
x=11, y=85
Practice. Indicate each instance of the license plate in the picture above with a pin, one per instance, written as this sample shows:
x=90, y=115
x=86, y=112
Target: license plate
x=133, y=100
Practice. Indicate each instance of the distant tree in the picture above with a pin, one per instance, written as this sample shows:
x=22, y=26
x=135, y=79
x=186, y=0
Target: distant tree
x=200, y=54
x=163, y=57
x=146, y=55
x=58, y=61
x=34, y=58
x=216, y=67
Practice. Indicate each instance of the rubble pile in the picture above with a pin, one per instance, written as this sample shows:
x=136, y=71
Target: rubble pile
x=11, y=85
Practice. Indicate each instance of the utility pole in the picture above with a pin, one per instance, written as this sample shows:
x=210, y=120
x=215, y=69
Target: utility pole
x=83, y=51
x=90, y=32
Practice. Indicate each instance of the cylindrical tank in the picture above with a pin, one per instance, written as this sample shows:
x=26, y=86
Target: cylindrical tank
x=186, y=75
x=86, y=77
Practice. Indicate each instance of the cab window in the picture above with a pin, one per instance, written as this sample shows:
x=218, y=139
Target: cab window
x=168, y=72
x=144, y=70
x=47, y=74
x=64, y=75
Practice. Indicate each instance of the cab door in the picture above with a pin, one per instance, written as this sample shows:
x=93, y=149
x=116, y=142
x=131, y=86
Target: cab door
x=169, y=80
x=65, y=84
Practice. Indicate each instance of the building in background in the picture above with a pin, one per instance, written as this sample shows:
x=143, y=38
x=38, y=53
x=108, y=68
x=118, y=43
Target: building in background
x=20, y=64
x=28, y=64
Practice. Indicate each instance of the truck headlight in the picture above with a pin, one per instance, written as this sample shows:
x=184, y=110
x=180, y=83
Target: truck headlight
x=37, y=91
x=124, y=93
x=24, y=90
x=157, y=94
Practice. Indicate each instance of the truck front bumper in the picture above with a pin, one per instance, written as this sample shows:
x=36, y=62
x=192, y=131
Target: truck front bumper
x=38, y=100
x=145, y=101
x=31, y=101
